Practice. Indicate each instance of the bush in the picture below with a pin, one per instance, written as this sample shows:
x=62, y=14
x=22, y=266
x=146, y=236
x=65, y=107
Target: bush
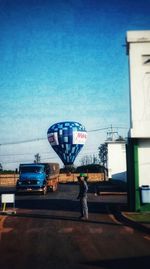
x=90, y=168
x=7, y=172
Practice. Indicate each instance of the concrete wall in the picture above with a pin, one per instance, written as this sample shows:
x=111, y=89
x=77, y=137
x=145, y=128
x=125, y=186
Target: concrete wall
x=10, y=179
x=92, y=177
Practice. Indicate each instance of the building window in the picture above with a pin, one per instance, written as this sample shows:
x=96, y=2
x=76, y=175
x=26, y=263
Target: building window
x=146, y=59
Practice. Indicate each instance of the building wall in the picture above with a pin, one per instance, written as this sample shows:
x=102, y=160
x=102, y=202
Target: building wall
x=139, y=67
x=116, y=160
x=144, y=162
x=138, y=148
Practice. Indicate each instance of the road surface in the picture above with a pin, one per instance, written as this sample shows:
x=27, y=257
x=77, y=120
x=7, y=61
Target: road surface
x=46, y=233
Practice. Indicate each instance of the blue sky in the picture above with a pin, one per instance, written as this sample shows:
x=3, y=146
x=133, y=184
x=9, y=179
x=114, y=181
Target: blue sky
x=63, y=60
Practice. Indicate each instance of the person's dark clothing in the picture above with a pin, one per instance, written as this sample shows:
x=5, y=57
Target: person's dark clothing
x=83, y=199
x=83, y=189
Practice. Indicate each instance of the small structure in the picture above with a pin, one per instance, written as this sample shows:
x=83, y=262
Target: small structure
x=116, y=160
x=8, y=198
x=138, y=147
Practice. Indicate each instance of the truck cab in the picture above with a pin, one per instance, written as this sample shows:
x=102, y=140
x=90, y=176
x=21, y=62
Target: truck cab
x=37, y=177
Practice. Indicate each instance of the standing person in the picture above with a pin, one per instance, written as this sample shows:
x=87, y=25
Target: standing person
x=82, y=196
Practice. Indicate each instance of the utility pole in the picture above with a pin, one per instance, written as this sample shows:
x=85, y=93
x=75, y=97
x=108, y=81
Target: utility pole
x=111, y=134
x=37, y=158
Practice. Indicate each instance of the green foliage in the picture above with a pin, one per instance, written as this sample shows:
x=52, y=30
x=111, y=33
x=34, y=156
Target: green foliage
x=90, y=168
x=103, y=151
x=7, y=172
x=1, y=167
x=68, y=169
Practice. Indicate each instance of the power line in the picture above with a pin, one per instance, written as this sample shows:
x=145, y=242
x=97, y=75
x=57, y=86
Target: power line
x=22, y=142
x=18, y=161
x=21, y=154
x=41, y=154
x=86, y=152
x=40, y=139
x=90, y=149
x=100, y=129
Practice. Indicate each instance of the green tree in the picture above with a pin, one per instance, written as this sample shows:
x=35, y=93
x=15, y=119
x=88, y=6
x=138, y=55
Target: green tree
x=1, y=167
x=103, y=151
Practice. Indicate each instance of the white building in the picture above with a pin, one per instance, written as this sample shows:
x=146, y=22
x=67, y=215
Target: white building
x=116, y=160
x=138, y=43
x=138, y=153
x=139, y=63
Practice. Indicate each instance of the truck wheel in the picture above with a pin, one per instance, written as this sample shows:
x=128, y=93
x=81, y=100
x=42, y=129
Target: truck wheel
x=54, y=188
x=45, y=190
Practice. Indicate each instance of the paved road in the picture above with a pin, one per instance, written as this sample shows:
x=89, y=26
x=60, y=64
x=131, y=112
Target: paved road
x=46, y=233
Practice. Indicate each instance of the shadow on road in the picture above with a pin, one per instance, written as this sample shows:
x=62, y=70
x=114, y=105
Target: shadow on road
x=63, y=218
x=123, y=263
x=128, y=222
x=65, y=205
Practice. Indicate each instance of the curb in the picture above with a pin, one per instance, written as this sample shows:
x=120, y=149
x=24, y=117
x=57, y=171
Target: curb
x=5, y=213
x=112, y=193
x=134, y=224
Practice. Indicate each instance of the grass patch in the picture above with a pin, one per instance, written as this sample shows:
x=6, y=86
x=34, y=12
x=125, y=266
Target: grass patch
x=139, y=217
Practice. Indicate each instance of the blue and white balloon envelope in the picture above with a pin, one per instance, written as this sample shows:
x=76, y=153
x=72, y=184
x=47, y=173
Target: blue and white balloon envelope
x=67, y=139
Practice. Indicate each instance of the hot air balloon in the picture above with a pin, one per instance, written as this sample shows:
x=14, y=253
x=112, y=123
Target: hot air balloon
x=67, y=139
